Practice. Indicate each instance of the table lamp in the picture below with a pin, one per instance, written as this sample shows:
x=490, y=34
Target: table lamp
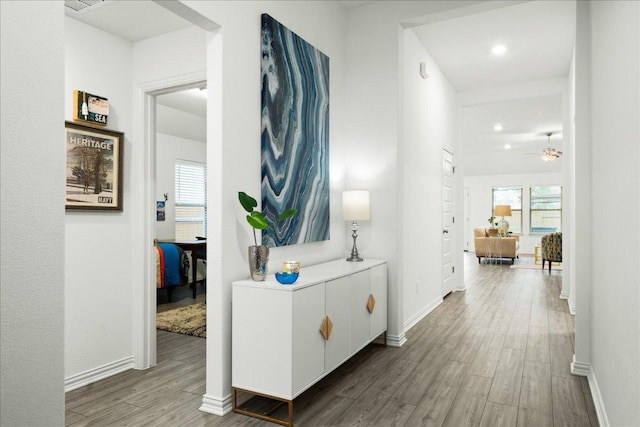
x=355, y=207
x=502, y=210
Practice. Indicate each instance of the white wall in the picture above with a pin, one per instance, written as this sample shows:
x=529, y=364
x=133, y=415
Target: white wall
x=615, y=126
x=581, y=221
x=428, y=122
x=32, y=214
x=168, y=55
x=480, y=202
x=233, y=155
x=101, y=253
x=375, y=105
x=169, y=149
x=98, y=260
x=569, y=174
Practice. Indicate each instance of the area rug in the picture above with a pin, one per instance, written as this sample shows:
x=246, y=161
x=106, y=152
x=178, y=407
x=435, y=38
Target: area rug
x=554, y=266
x=189, y=320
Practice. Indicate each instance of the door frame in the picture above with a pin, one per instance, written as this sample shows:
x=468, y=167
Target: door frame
x=452, y=227
x=143, y=174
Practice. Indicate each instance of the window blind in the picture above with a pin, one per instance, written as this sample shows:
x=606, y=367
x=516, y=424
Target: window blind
x=190, y=199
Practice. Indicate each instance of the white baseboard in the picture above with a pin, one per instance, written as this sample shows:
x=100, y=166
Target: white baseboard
x=91, y=376
x=216, y=406
x=572, y=308
x=580, y=368
x=410, y=323
x=584, y=369
x=396, y=340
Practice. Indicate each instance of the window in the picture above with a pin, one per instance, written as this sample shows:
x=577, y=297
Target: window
x=546, y=209
x=511, y=196
x=191, y=200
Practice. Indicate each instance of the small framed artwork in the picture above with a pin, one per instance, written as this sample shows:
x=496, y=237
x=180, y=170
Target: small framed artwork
x=89, y=108
x=160, y=210
x=94, y=168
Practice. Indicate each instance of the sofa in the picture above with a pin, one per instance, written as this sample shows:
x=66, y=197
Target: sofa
x=494, y=246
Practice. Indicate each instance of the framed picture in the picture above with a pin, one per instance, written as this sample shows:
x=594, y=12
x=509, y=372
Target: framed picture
x=94, y=168
x=161, y=210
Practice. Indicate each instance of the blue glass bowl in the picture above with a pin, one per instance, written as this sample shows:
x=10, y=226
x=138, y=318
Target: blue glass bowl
x=286, y=278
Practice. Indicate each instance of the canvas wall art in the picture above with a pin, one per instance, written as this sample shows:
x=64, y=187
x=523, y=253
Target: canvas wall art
x=295, y=136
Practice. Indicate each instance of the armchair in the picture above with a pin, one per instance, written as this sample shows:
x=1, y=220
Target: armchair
x=551, y=248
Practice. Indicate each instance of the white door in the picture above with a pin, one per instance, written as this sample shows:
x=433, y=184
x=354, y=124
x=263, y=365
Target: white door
x=379, y=291
x=447, y=222
x=307, y=346
x=337, y=307
x=467, y=229
x=360, y=291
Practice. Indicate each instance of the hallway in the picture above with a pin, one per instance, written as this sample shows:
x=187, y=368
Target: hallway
x=496, y=354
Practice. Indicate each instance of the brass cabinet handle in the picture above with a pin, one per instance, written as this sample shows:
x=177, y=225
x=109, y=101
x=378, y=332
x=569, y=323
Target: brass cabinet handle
x=326, y=327
x=371, y=303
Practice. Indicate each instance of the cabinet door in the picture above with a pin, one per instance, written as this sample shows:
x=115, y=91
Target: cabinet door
x=360, y=291
x=379, y=291
x=261, y=344
x=308, y=344
x=337, y=309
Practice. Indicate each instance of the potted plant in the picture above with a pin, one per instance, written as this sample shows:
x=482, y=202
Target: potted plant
x=492, y=231
x=259, y=255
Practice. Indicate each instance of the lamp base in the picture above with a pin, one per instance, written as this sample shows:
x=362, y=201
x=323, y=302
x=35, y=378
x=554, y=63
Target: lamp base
x=503, y=226
x=355, y=257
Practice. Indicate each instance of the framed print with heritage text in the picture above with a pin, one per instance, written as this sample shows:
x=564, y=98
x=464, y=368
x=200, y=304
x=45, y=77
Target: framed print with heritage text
x=93, y=168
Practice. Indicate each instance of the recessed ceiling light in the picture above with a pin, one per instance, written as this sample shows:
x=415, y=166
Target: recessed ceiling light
x=507, y=146
x=499, y=49
x=498, y=127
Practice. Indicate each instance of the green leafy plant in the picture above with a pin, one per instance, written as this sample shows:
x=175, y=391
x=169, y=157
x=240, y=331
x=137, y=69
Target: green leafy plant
x=255, y=218
x=491, y=221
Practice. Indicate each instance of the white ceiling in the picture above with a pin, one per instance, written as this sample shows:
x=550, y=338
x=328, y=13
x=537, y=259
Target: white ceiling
x=192, y=101
x=132, y=20
x=539, y=36
x=525, y=122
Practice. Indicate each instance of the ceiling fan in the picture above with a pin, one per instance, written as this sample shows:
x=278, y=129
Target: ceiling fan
x=549, y=154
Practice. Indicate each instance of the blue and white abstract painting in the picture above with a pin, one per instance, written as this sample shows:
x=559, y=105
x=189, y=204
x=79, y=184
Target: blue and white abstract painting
x=295, y=136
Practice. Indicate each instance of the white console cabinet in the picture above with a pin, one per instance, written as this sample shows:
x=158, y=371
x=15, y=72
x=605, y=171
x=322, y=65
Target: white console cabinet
x=278, y=345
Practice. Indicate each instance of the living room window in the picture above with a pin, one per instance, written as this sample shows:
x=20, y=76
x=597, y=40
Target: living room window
x=191, y=199
x=511, y=196
x=546, y=209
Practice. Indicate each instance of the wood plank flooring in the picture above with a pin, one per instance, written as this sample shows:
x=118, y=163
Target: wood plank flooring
x=497, y=354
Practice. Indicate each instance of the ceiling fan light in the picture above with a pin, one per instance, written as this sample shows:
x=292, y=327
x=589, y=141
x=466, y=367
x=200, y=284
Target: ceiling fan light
x=550, y=155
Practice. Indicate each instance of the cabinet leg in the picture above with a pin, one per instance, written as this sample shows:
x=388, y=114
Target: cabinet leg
x=265, y=415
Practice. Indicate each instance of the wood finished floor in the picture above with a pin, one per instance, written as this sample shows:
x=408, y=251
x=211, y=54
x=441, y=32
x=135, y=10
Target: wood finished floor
x=495, y=355
x=181, y=296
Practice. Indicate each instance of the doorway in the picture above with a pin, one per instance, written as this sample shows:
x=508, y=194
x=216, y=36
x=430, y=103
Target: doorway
x=181, y=206
x=145, y=330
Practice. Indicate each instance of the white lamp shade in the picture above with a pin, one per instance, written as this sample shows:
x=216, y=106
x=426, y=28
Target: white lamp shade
x=355, y=205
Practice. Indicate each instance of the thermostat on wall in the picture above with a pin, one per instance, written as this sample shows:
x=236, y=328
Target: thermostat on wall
x=90, y=108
